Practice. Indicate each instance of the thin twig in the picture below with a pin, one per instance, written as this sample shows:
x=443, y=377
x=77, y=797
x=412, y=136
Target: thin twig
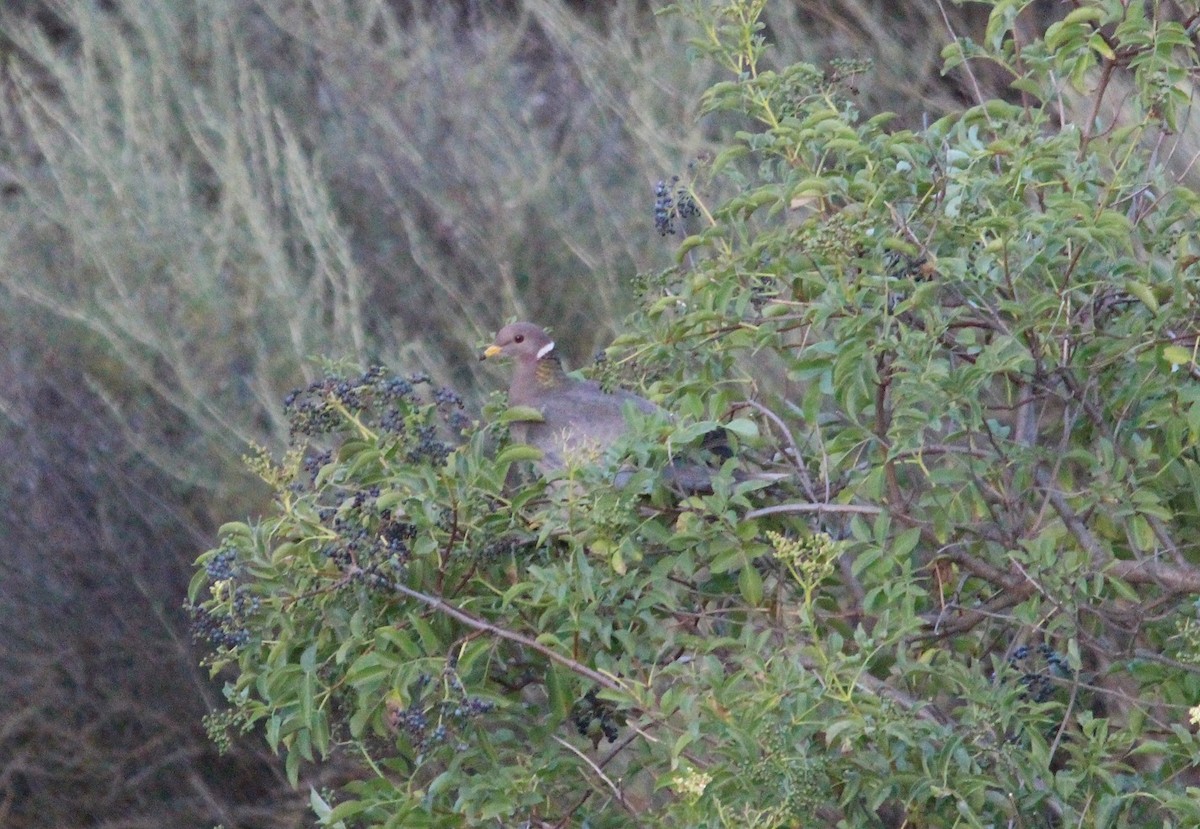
x=442, y=606
x=617, y=793
x=621, y=746
x=803, y=507
x=966, y=64
x=797, y=460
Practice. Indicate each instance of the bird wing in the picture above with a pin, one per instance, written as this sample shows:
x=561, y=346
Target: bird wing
x=580, y=421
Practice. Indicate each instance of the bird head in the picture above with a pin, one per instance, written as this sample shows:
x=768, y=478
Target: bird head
x=520, y=341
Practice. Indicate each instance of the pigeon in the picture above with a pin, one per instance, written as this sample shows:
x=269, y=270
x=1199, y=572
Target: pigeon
x=578, y=420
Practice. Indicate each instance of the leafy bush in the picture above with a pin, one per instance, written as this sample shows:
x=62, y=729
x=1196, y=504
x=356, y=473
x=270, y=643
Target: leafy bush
x=200, y=194
x=972, y=346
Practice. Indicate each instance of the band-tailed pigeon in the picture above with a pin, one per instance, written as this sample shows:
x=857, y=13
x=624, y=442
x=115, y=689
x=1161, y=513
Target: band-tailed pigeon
x=580, y=420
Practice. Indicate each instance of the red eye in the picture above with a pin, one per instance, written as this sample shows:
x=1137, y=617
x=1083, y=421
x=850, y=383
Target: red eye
x=520, y=338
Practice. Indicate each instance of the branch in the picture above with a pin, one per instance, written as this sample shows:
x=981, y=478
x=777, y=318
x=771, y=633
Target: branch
x=796, y=459
x=621, y=746
x=1090, y=544
x=471, y=621
x=862, y=509
x=1167, y=576
x=617, y=793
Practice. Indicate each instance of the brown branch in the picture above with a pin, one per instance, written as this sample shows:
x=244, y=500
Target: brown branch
x=474, y=622
x=802, y=507
x=621, y=746
x=1075, y=525
x=1105, y=78
x=883, y=422
x=796, y=459
x=975, y=615
x=599, y=772
x=981, y=569
x=1176, y=579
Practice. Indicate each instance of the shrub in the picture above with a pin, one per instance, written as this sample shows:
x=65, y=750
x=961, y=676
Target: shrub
x=972, y=346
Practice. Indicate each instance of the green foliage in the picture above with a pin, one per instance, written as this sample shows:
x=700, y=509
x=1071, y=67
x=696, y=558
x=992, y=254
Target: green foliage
x=971, y=603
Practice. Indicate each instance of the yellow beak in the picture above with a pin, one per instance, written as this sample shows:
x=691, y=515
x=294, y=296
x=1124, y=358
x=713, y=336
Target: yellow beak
x=491, y=351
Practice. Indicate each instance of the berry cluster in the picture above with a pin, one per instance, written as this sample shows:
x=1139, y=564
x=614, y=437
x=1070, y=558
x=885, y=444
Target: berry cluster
x=1040, y=667
x=450, y=403
x=412, y=720
x=368, y=538
x=838, y=236
x=313, y=463
x=428, y=724
x=804, y=86
x=225, y=629
x=374, y=399
x=672, y=201
x=222, y=566
x=595, y=718
x=427, y=447
x=844, y=70
x=668, y=280
x=629, y=369
x=504, y=548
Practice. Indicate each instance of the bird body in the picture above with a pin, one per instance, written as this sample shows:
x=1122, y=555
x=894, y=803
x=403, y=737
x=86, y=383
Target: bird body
x=579, y=420
x=574, y=421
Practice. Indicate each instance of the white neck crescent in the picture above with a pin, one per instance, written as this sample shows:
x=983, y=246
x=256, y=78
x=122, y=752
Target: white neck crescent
x=546, y=349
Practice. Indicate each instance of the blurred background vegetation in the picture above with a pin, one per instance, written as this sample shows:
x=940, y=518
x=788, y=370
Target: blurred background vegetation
x=199, y=198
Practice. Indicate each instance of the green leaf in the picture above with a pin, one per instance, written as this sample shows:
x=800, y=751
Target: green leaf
x=196, y=584
x=691, y=242
x=1142, y=533
x=359, y=720
x=284, y=551
x=834, y=730
x=692, y=431
x=347, y=809
x=1143, y=293
x=558, y=690
x=370, y=671
x=235, y=529
x=308, y=659
x=617, y=562
x=743, y=427
x=291, y=768
x=519, y=452
x=430, y=641
x=905, y=542
x=515, y=414
x=750, y=585
x=1177, y=355
x=1085, y=14
x=726, y=560
x=319, y=805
